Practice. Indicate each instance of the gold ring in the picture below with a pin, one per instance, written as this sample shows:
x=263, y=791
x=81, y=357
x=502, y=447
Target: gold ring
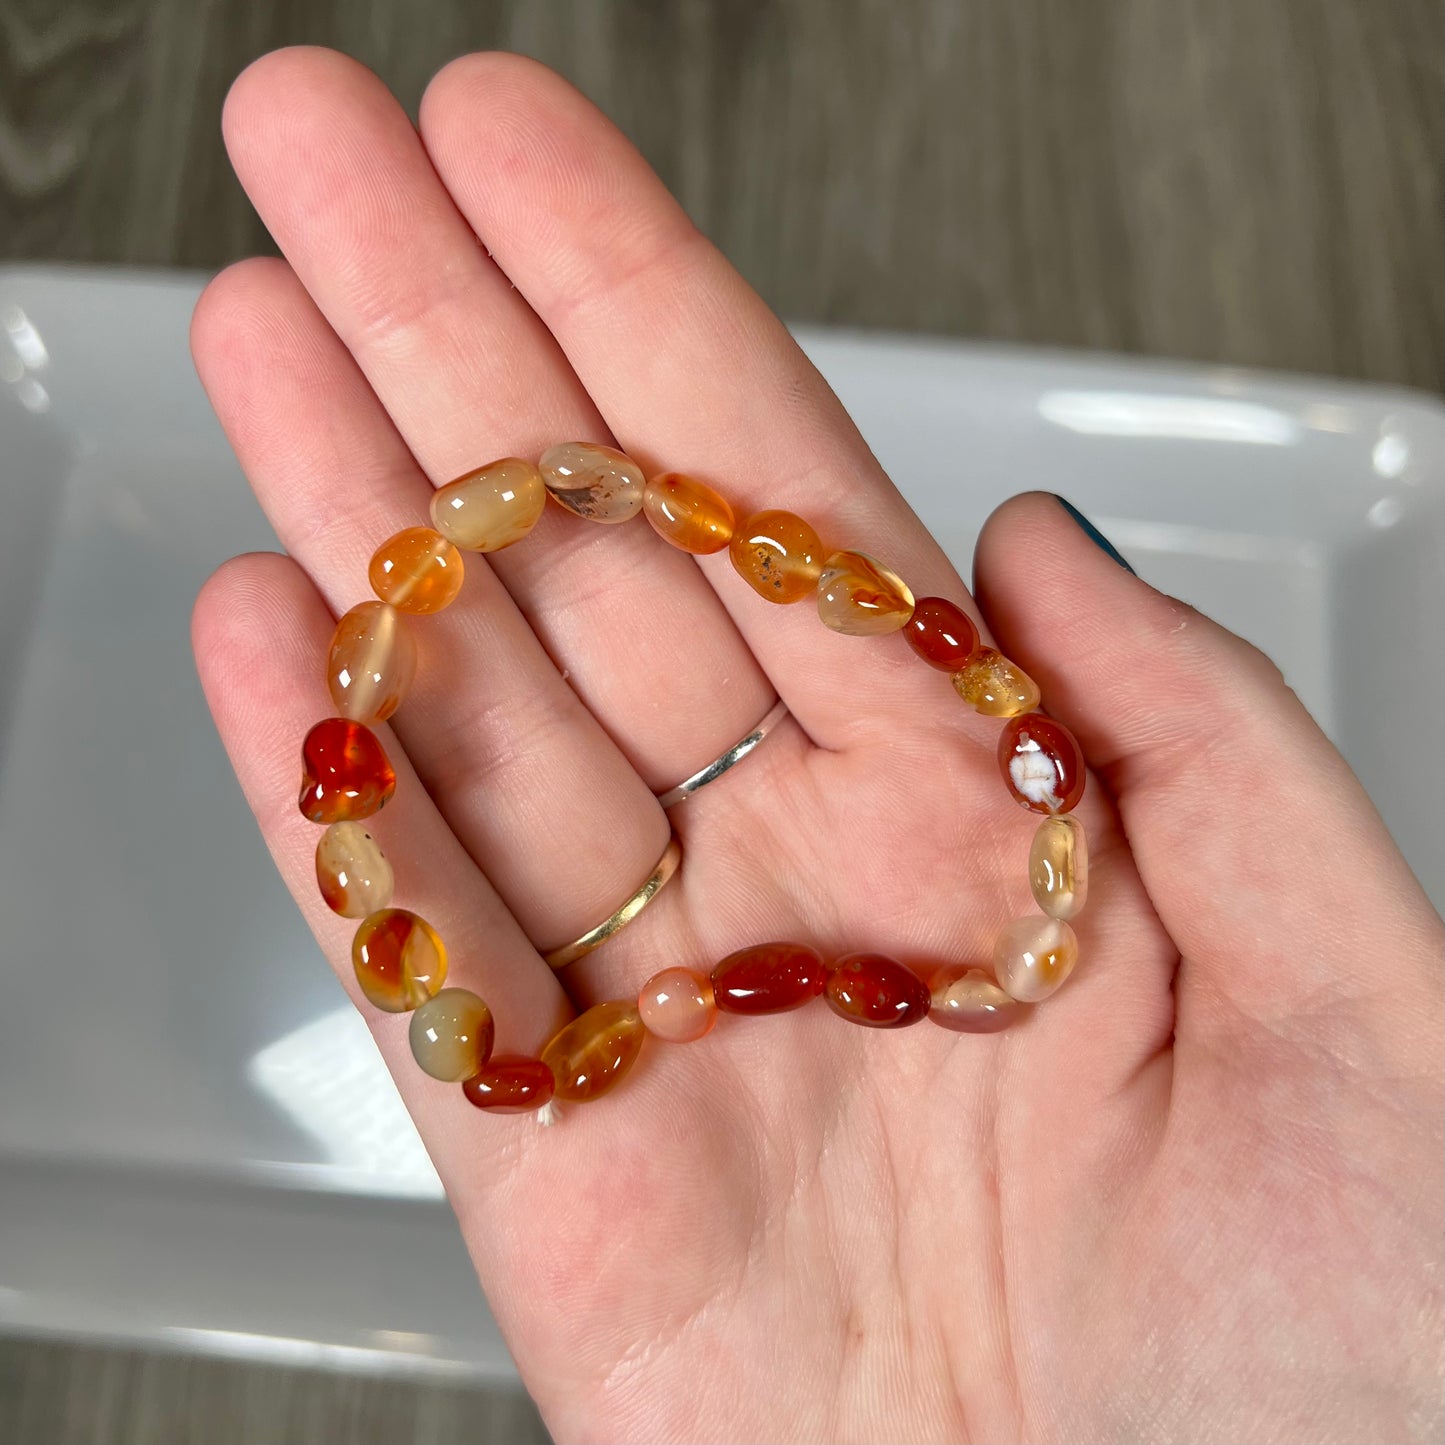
x=595, y=937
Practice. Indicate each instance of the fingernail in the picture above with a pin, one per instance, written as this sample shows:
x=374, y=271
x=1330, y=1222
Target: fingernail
x=1094, y=534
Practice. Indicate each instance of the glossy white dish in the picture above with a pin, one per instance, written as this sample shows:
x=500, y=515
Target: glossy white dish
x=198, y=1145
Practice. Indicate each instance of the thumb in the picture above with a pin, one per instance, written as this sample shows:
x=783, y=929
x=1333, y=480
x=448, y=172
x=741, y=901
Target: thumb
x=1262, y=855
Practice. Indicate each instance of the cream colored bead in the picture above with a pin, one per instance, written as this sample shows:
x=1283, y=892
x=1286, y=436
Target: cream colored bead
x=860, y=597
x=1032, y=956
x=1059, y=866
x=491, y=507
x=372, y=662
x=596, y=482
x=968, y=1001
x=352, y=872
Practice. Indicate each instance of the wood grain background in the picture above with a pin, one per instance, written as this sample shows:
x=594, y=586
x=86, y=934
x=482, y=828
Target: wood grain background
x=1243, y=181
x=1251, y=182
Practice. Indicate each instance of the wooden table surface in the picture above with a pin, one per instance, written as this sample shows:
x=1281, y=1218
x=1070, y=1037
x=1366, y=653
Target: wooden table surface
x=1252, y=182
x=1243, y=181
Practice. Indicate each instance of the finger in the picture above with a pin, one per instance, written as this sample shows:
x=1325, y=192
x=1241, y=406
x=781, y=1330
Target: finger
x=519, y=768
x=712, y=383
x=467, y=373
x=1263, y=856
x=257, y=629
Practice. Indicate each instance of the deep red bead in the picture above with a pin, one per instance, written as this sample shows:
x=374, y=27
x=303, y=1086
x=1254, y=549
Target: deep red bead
x=345, y=772
x=768, y=978
x=1042, y=763
x=942, y=634
x=510, y=1084
x=879, y=992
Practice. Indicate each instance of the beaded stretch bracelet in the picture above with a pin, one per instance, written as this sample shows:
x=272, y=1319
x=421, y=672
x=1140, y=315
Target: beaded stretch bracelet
x=401, y=962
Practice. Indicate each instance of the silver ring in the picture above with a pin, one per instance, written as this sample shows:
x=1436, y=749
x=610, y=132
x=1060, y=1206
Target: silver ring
x=734, y=755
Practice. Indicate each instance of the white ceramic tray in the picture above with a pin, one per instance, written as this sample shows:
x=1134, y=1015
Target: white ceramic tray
x=198, y=1145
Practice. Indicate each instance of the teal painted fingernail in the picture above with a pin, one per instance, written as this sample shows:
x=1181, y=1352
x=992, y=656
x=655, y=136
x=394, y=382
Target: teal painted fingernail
x=1094, y=534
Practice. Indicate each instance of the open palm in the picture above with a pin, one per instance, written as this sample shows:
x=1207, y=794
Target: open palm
x=1196, y=1195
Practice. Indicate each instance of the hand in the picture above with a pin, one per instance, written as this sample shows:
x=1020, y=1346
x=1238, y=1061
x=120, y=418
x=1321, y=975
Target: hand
x=1197, y=1195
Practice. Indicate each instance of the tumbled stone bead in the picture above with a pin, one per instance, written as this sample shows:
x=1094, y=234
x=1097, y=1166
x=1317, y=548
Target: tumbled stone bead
x=778, y=554
x=596, y=482
x=1059, y=867
x=491, y=507
x=968, y=1001
x=677, y=1005
x=995, y=686
x=1042, y=763
x=688, y=513
x=372, y=662
x=860, y=597
x=345, y=772
x=400, y=959
x=1032, y=956
x=352, y=872
x=451, y=1035
x=768, y=978
x=942, y=634
x=510, y=1084
x=417, y=570
x=879, y=992
x=593, y=1053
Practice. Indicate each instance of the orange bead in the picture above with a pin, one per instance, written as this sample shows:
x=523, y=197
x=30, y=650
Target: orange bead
x=778, y=555
x=593, y=1053
x=996, y=686
x=372, y=662
x=417, y=570
x=400, y=960
x=345, y=772
x=941, y=633
x=509, y=1084
x=677, y=1005
x=860, y=597
x=688, y=513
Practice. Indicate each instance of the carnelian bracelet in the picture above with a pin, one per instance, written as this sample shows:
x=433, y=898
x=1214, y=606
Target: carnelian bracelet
x=401, y=962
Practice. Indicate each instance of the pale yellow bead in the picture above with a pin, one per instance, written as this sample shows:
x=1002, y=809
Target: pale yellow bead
x=352, y=872
x=996, y=686
x=1032, y=956
x=451, y=1035
x=1059, y=866
x=491, y=507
